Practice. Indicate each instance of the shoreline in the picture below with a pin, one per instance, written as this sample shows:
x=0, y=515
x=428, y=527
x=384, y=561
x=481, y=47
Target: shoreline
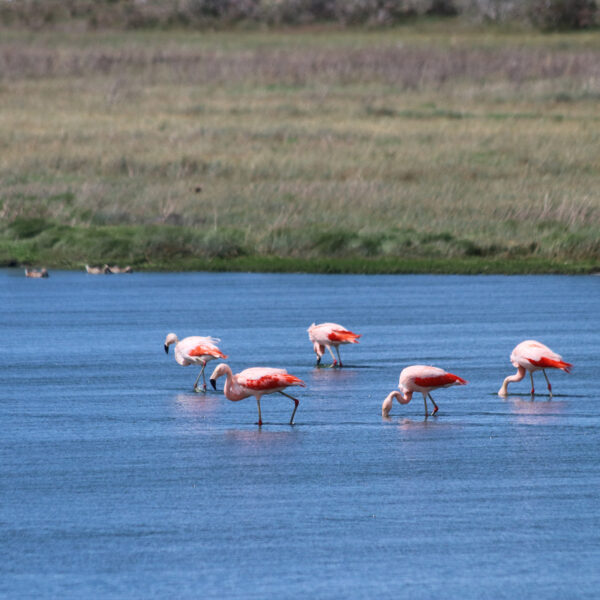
x=349, y=266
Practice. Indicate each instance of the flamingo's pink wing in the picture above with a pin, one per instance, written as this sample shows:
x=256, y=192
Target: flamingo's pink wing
x=343, y=335
x=545, y=363
x=267, y=379
x=205, y=350
x=532, y=352
x=439, y=380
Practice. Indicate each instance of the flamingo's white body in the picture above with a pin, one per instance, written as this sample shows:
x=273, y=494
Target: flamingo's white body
x=530, y=356
x=328, y=335
x=257, y=382
x=194, y=350
x=420, y=378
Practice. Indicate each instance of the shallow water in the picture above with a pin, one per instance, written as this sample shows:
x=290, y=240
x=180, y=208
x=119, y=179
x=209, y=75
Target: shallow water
x=118, y=481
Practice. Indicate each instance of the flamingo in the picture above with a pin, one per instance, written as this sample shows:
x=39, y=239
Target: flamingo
x=326, y=335
x=197, y=350
x=533, y=356
x=420, y=378
x=257, y=382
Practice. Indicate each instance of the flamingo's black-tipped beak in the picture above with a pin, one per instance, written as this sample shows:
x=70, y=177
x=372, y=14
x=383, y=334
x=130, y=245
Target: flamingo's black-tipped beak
x=318, y=360
x=166, y=349
x=213, y=382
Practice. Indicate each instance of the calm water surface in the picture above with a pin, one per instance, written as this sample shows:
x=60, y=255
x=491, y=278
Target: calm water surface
x=118, y=481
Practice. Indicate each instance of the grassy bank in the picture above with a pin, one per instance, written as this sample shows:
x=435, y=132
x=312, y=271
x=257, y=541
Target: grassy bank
x=423, y=148
x=161, y=248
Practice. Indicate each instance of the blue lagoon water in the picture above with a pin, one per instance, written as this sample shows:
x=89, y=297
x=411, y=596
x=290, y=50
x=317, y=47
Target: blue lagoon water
x=118, y=481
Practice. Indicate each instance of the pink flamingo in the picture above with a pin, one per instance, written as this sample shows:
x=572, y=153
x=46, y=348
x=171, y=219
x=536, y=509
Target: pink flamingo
x=257, y=382
x=533, y=356
x=420, y=378
x=326, y=335
x=194, y=350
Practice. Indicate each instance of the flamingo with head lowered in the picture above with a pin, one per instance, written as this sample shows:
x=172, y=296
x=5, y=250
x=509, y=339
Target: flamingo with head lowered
x=533, y=356
x=257, y=382
x=194, y=350
x=420, y=378
x=326, y=335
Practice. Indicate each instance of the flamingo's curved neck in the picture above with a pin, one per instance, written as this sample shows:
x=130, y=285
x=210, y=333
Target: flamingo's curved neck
x=403, y=398
x=229, y=382
x=510, y=379
x=232, y=390
x=386, y=407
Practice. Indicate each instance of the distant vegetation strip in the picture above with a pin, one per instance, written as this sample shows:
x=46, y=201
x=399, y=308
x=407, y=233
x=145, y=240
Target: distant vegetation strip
x=129, y=14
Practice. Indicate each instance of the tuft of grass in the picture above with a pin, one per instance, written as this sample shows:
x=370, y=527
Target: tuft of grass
x=23, y=228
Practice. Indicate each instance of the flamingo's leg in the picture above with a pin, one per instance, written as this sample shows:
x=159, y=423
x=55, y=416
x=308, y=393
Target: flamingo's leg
x=548, y=382
x=296, y=402
x=332, y=356
x=319, y=351
x=532, y=387
x=201, y=374
x=425, y=402
x=203, y=377
x=259, y=416
x=434, y=404
x=337, y=349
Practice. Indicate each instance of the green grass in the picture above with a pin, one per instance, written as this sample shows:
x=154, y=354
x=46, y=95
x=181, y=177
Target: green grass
x=377, y=266
x=416, y=149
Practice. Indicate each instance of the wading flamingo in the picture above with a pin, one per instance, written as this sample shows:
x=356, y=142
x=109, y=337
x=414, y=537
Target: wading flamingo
x=326, y=335
x=420, y=378
x=194, y=350
x=256, y=382
x=532, y=356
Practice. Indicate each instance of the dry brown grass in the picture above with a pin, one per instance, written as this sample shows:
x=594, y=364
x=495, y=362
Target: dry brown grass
x=411, y=67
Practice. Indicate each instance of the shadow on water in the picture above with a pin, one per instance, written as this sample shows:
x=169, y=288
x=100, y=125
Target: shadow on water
x=332, y=375
x=328, y=367
x=261, y=436
x=198, y=404
x=536, y=396
x=415, y=423
x=531, y=412
x=426, y=429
